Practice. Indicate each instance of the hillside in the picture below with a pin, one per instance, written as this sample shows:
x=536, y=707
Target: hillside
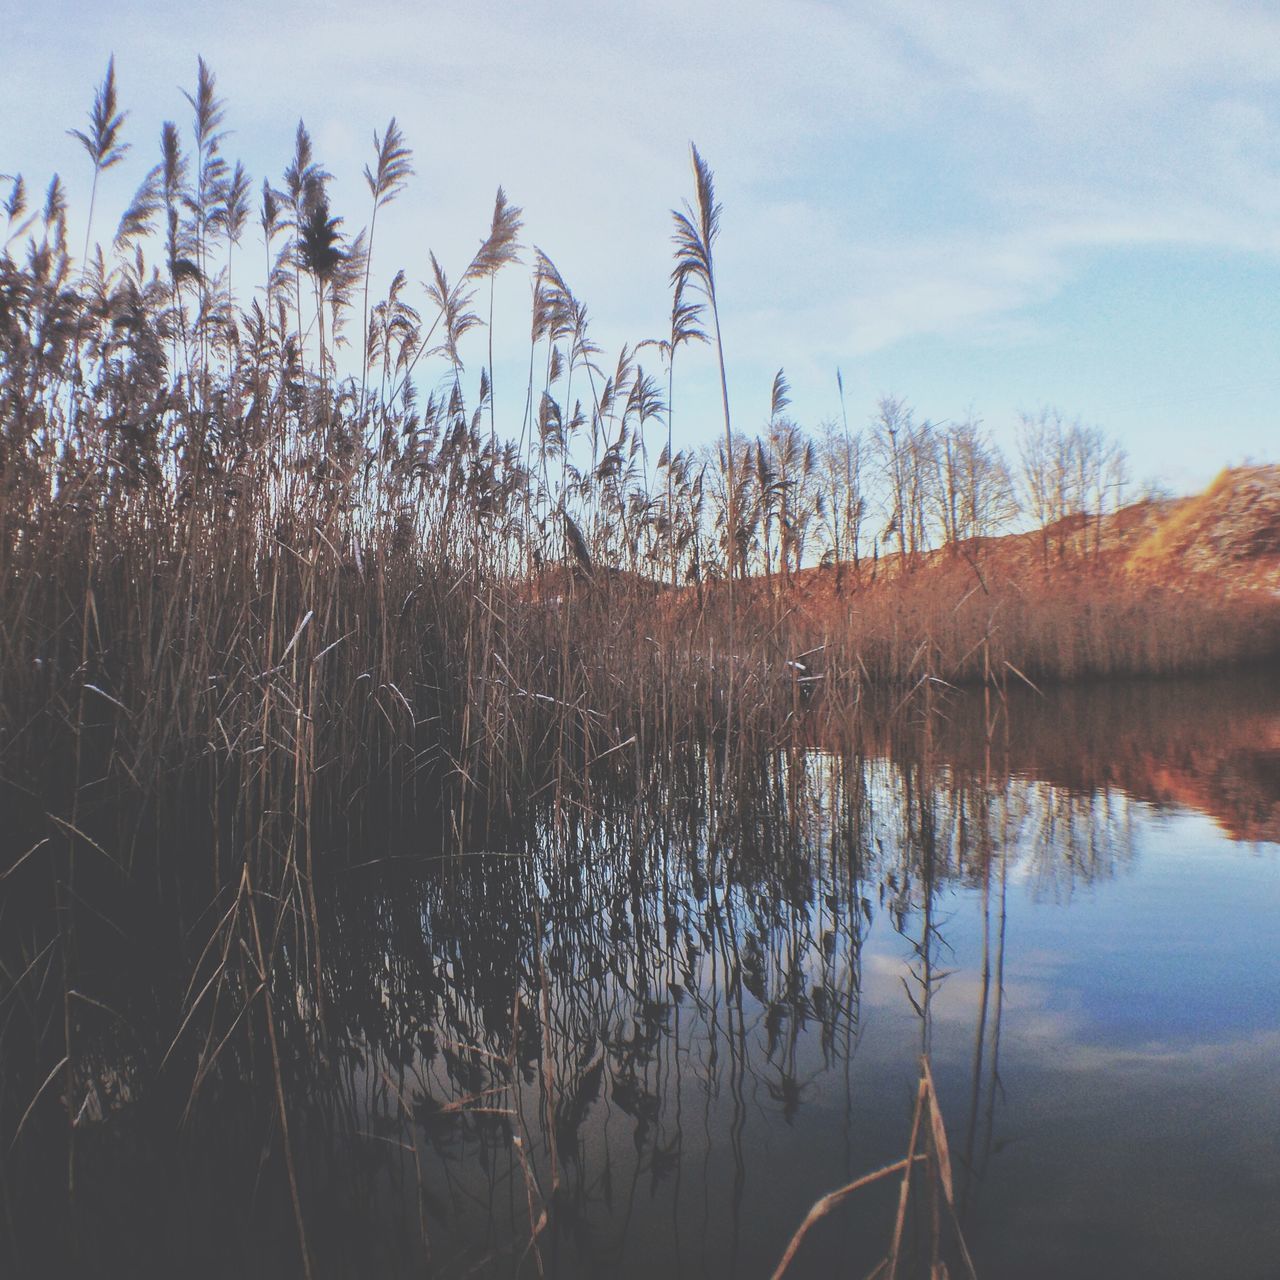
x=1230, y=533
x=1224, y=540
x=1158, y=587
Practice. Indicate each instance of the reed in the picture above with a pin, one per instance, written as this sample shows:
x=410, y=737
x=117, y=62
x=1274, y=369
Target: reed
x=252, y=584
x=225, y=547
x=928, y=1131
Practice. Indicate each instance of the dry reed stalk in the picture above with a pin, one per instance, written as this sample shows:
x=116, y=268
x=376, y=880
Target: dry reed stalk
x=831, y=1201
x=938, y=1159
x=281, y=1108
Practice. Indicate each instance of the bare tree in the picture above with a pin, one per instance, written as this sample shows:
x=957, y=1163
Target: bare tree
x=905, y=451
x=1068, y=469
x=840, y=504
x=973, y=493
x=1044, y=454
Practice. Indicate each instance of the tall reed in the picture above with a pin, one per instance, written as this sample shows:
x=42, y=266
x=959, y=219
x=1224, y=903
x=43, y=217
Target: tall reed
x=252, y=593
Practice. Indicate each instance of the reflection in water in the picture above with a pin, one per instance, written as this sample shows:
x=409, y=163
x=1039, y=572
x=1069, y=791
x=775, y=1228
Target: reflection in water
x=641, y=1038
x=1212, y=745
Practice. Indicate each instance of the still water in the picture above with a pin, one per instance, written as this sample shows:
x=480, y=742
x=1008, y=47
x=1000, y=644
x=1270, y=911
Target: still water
x=642, y=1039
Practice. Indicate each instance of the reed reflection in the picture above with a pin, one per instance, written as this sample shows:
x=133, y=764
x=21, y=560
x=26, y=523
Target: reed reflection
x=621, y=1035
x=678, y=987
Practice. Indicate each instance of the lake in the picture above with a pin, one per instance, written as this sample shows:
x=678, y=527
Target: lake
x=641, y=1034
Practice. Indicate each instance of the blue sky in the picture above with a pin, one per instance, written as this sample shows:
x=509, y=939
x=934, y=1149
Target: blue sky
x=981, y=207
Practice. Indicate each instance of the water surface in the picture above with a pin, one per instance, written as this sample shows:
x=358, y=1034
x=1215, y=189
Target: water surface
x=641, y=1039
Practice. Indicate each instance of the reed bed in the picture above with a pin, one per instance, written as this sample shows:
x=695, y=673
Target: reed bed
x=1045, y=628
x=264, y=598
x=232, y=546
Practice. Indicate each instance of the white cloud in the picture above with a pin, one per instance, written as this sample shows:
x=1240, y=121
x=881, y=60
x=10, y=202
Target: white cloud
x=890, y=171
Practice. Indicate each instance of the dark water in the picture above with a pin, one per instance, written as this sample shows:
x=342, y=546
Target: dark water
x=670, y=1027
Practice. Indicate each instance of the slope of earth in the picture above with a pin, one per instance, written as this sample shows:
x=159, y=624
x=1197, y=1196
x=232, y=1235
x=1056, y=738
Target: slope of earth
x=1231, y=533
x=1158, y=587
x=1223, y=541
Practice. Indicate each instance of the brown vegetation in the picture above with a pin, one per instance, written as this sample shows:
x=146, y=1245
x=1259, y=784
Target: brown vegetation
x=1229, y=535
x=249, y=595
x=1156, y=588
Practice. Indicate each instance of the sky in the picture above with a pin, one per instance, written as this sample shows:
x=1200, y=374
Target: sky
x=983, y=209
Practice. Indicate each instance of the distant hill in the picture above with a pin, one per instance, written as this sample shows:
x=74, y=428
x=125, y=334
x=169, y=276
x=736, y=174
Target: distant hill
x=1159, y=587
x=1229, y=533
x=1226, y=539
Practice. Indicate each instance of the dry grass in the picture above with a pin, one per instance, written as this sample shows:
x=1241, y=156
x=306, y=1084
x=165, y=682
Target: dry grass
x=244, y=591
